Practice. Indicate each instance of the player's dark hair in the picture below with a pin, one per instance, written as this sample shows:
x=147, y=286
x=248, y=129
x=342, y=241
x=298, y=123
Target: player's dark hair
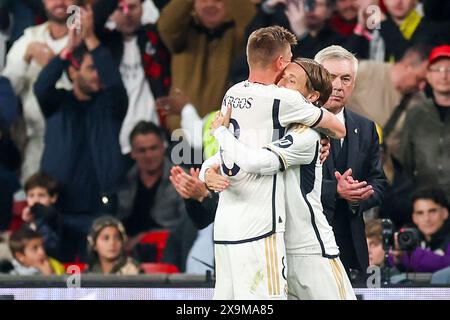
x=318, y=78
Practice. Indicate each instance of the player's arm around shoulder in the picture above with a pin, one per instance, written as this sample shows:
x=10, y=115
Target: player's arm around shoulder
x=299, y=146
x=330, y=125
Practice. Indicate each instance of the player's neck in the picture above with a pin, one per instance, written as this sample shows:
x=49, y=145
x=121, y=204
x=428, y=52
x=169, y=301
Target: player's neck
x=149, y=178
x=263, y=77
x=442, y=99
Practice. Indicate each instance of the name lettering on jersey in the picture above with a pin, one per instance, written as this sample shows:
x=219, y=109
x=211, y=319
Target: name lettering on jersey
x=236, y=103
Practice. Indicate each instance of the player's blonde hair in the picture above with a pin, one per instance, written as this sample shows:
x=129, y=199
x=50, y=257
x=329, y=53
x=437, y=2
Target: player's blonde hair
x=374, y=230
x=265, y=44
x=337, y=53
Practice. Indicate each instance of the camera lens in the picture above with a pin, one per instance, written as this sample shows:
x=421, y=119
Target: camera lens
x=408, y=239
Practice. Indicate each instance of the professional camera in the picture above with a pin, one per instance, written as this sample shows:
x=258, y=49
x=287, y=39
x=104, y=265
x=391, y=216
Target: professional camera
x=408, y=239
x=387, y=235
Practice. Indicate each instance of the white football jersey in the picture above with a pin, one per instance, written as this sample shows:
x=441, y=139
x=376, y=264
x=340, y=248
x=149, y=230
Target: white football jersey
x=307, y=229
x=253, y=207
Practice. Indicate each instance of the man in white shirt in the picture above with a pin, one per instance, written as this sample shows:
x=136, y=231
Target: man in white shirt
x=143, y=60
x=355, y=158
x=314, y=270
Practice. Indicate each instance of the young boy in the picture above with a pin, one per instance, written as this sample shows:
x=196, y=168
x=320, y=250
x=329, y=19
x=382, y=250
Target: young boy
x=30, y=258
x=40, y=214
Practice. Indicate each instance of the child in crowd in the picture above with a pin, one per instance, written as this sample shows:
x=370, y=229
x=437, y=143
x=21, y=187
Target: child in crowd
x=106, y=248
x=374, y=237
x=29, y=256
x=40, y=213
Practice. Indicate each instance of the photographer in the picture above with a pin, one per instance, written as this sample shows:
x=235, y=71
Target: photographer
x=307, y=19
x=432, y=252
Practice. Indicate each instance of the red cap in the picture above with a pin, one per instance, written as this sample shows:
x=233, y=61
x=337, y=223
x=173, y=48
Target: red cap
x=439, y=52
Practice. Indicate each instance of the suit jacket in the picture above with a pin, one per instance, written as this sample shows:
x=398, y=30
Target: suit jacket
x=364, y=158
x=168, y=207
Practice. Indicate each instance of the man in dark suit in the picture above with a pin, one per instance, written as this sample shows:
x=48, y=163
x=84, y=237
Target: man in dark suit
x=353, y=178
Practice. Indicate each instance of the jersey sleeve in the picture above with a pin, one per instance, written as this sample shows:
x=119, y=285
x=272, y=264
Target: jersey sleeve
x=300, y=146
x=294, y=108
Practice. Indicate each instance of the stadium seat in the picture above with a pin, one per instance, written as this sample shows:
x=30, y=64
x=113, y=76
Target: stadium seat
x=159, y=268
x=158, y=238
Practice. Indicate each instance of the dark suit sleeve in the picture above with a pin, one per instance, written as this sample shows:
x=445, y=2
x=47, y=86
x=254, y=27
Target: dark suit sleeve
x=329, y=189
x=47, y=95
x=8, y=103
x=375, y=174
x=358, y=45
x=111, y=79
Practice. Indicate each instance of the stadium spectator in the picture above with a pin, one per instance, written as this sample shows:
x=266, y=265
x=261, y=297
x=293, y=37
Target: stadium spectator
x=397, y=87
x=30, y=258
x=375, y=242
x=82, y=148
x=40, y=214
x=430, y=215
x=437, y=10
x=204, y=37
x=8, y=103
x=106, y=249
x=144, y=60
x=425, y=152
x=147, y=200
x=26, y=58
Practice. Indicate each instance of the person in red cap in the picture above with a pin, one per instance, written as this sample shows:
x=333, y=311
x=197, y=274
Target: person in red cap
x=426, y=155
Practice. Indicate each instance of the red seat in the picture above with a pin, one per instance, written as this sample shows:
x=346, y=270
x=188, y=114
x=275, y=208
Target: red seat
x=159, y=268
x=80, y=265
x=158, y=238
